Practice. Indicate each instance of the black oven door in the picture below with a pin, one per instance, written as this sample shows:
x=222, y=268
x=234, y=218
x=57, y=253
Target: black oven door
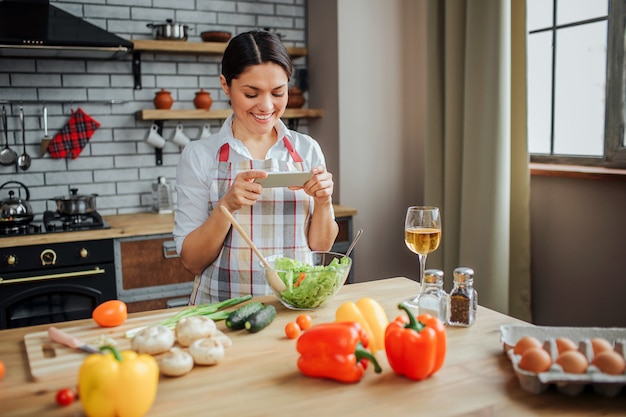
x=66, y=294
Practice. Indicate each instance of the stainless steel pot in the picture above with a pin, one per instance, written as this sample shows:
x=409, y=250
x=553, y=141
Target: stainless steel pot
x=76, y=203
x=169, y=30
x=15, y=211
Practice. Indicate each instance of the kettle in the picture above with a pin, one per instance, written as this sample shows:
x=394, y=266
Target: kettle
x=162, y=196
x=15, y=211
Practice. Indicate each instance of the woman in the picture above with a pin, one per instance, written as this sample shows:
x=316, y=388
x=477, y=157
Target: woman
x=220, y=172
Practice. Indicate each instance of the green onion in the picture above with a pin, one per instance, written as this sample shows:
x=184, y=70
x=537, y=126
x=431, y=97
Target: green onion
x=212, y=311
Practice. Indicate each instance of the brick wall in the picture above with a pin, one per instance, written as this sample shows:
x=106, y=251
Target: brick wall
x=118, y=164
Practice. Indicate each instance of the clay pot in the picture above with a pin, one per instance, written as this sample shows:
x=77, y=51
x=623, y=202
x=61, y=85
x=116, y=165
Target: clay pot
x=163, y=100
x=295, y=98
x=203, y=100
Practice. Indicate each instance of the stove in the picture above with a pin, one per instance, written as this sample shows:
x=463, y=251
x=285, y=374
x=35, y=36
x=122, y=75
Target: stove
x=22, y=229
x=53, y=221
x=56, y=222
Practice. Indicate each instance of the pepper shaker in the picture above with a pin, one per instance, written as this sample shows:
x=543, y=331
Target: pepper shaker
x=463, y=298
x=432, y=298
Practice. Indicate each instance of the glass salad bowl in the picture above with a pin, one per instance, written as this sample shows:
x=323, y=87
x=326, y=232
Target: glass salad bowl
x=310, y=278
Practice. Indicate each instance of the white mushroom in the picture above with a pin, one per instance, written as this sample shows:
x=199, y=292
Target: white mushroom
x=153, y=340
x=207, y=351
x=176, y=362
x=192, y=328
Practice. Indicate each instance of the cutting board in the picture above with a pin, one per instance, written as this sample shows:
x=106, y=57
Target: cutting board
x=49, y=360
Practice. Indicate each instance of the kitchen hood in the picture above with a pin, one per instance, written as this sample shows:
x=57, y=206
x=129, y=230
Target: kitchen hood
x=34, y=28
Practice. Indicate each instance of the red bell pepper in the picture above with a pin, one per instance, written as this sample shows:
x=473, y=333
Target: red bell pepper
x=335, y=351
x=415, y=348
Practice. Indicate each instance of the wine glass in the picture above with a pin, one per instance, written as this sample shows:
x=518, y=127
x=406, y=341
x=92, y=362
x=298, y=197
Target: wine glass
x=422, y=233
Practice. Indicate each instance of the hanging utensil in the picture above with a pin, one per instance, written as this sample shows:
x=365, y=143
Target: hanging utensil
x=355, y=239
x=23, y=161
x=7, y=156
x=45, y=141
x=272, y=277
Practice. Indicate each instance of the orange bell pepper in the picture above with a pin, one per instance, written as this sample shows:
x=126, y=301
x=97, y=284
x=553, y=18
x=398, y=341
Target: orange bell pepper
x=335, y=351
x=415, y=348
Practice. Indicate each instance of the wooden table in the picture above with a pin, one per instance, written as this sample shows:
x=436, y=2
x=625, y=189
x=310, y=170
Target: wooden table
x=259, y=377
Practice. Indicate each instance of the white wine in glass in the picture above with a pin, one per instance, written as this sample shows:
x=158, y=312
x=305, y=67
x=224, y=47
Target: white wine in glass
x=422, y=232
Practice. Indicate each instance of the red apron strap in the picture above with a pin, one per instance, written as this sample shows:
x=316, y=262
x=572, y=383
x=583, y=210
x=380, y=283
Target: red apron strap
x=294, y=154
x=224, y=150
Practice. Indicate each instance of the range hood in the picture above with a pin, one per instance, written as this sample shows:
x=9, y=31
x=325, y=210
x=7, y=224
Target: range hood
x=34, y=28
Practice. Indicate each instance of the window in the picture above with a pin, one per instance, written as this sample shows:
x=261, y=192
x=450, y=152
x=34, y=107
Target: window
x=575, y=51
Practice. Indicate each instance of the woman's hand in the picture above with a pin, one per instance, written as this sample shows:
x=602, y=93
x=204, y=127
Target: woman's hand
x=320, y=187
x=244, y=191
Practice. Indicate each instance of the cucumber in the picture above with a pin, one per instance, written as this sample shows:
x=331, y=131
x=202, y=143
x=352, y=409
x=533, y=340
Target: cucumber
x=261, y=319
x=237, y=319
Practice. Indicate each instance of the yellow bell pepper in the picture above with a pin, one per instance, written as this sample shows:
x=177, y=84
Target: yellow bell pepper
x=370, y=315
x=118, y=384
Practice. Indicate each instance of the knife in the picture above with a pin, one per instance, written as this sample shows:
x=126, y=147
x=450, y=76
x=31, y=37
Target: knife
x=67, y=339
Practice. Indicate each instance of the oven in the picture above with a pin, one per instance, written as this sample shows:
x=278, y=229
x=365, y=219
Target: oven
x=41, y=284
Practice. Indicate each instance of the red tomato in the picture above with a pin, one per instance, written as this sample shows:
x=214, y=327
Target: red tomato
x=3, y=369
x=304, y=321
x=65, y=397
x=292, y=330
x=110, y=313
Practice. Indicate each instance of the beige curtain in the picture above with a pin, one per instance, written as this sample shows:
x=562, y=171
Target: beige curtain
x=476, y=154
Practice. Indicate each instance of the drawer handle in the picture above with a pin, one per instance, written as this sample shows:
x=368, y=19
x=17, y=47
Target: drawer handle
x=169, y=250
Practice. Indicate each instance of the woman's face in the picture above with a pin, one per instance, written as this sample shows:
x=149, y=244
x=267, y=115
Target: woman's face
x=258, y=97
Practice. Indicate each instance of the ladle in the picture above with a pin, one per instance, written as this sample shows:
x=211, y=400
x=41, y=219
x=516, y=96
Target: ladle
x=272, y=277
x=24, y=159
x=355, y=239
x=7, y=155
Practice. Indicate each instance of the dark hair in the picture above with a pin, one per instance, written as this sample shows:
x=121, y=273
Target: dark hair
x=254, y=48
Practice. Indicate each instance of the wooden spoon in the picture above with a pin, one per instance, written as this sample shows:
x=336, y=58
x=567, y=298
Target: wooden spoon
x=272, y=277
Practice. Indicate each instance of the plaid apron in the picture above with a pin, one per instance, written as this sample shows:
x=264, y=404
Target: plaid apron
x=277, y=222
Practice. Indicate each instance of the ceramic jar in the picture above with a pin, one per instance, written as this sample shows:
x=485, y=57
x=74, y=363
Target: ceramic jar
x=203, y=100
x=163, y=100
x=295, y=98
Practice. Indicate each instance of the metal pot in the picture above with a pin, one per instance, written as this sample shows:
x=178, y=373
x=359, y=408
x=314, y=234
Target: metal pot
x=15, y=211
x=170, y=30
x=75, y=203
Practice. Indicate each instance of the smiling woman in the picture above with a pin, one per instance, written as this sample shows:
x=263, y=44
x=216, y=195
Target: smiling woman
x=221, y=172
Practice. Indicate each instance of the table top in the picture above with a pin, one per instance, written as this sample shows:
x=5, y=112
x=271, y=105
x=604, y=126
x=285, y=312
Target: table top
x=259, y=375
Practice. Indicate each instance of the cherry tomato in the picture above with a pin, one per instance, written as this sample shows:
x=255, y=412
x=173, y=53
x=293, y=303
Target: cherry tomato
x=3, y=369
x=110, y=313
x=65, y=397
x=292, y=330
x=304, y=321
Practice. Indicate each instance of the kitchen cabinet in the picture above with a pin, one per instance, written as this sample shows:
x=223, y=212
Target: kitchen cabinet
x=149, y=273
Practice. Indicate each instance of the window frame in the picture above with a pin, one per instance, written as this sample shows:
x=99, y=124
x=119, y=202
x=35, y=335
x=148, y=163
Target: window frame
x=614, y=149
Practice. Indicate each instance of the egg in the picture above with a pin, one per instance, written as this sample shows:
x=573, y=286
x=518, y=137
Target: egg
x=572, y=362
x=564, y=344
x=609, y=362
x=525, y=343
x=600, y=344
x=535, y=360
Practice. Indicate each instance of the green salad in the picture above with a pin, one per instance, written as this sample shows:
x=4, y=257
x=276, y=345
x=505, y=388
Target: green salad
x=306, y=290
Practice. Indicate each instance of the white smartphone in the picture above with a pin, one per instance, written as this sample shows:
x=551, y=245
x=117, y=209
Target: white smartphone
x=285, y=179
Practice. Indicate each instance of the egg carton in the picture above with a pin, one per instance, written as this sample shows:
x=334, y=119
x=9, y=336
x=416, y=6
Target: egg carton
x=567, y=383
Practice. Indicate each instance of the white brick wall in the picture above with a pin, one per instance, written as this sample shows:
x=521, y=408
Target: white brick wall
x=117, y=164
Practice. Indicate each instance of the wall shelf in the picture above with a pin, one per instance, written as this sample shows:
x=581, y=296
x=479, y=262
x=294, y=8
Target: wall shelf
x=155, y=114
x=183, y=47
x=159, y=117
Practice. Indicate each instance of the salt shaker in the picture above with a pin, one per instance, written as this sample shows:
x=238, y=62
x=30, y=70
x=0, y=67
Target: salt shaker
x=432, y=298
x=463, y=298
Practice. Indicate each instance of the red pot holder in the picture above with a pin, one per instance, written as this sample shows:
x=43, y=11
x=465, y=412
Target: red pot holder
x=70, y=141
